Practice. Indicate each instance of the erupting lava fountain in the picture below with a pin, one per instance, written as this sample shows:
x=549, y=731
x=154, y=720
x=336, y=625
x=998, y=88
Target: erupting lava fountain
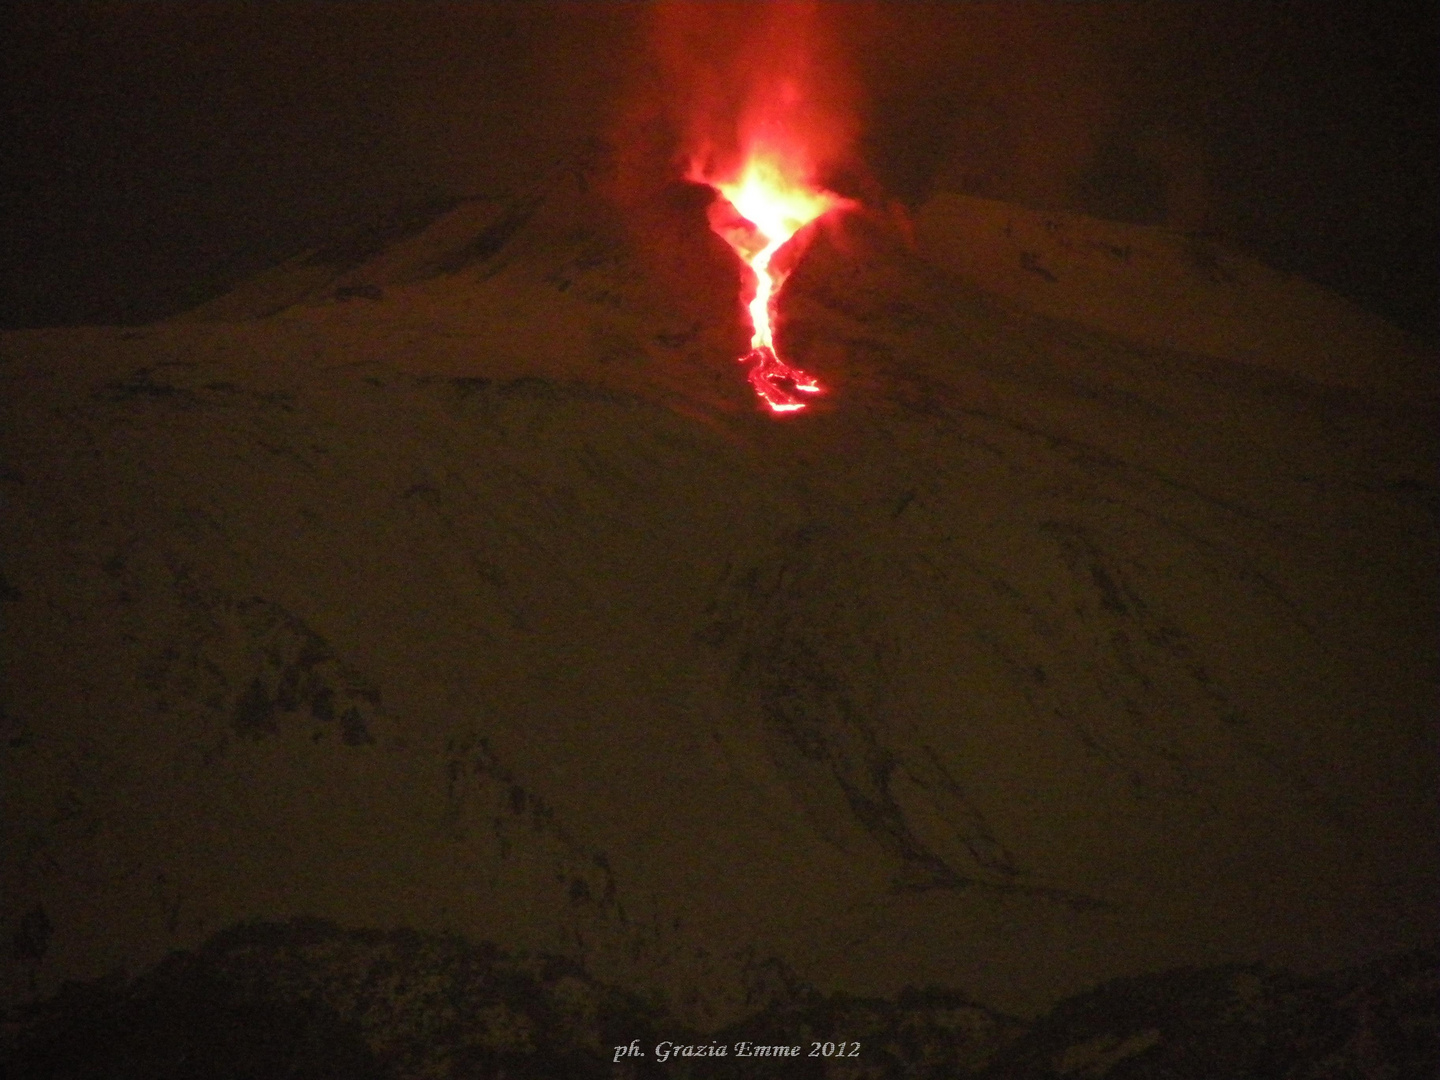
x=765, y=204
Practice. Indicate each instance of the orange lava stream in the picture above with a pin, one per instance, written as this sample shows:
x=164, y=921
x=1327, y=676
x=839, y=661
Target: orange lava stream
x=772, y=205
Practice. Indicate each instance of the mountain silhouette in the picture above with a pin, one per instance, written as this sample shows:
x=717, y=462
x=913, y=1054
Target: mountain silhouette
x=449, y=577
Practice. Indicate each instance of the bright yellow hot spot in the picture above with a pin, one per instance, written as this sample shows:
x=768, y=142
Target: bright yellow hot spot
x=777, y=204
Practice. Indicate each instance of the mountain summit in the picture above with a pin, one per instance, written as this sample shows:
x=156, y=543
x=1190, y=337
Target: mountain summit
x=448, y=577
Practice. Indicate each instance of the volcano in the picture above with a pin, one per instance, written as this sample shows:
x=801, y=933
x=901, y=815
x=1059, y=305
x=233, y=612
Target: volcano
x=447, y=577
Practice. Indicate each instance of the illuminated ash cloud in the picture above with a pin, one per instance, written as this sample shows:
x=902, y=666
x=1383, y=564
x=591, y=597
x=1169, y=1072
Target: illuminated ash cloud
x=759, y=102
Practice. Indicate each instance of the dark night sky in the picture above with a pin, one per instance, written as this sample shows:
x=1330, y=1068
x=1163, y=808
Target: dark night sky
x=158, y=153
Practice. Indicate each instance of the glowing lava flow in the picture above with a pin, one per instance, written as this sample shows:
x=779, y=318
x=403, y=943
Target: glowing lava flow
x=766, y=207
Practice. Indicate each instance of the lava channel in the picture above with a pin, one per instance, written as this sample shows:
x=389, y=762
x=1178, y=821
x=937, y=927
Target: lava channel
x=757, y=214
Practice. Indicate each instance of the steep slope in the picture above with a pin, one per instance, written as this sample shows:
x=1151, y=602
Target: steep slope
x=461, y=586
x=1172, y=289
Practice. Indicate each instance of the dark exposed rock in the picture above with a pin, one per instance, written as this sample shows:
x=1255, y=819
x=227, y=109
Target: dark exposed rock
x=258, y=664
x=1382, y=1019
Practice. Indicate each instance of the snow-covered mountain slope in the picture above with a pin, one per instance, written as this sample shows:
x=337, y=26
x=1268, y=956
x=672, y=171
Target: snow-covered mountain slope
x=1171, y=289
x=459, y=584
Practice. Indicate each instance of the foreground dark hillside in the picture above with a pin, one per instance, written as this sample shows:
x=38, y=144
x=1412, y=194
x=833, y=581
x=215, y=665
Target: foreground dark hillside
x=308, y=1000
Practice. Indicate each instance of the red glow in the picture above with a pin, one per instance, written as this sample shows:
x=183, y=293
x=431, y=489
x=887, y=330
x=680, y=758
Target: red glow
x=765, y=204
